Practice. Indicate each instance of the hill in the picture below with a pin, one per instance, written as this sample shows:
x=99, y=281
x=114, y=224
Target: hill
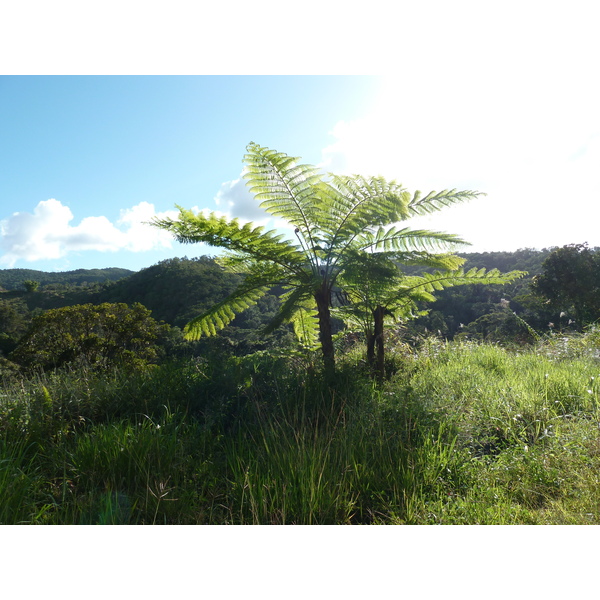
x=524, y=259
x=175, y=290
x=178, y=289
x=12, y=279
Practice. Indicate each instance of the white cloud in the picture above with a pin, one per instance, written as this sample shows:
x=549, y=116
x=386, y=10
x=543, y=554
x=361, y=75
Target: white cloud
x=140, y=236
x=234, y=199
x=238, y=202
x=47, y=233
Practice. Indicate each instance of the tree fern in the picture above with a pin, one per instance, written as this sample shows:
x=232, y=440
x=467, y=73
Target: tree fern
x=406, y=239
x=334, y=218
x=378, y=289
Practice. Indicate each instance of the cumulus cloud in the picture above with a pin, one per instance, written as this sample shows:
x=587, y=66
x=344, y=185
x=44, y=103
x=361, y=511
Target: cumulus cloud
x=48, y=233
x=234, y=199
x=140, y=236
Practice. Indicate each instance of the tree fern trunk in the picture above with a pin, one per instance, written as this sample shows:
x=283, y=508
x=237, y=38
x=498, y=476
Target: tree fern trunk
x=371, y=351
x=378, y=315
x=322, y=298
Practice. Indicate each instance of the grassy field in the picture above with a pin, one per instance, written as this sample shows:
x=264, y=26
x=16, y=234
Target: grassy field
x=458, y=434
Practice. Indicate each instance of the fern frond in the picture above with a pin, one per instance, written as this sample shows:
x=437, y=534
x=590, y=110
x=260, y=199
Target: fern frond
x=284, y=188
x=268, y=273
x=291, y=301
x=435, y=201
x=299, y=309
x=306, y=326
x=221, y=314
x=445, y=262
x=407, y=240
x=246, y=239
x=358, y=204
x=431, y=282
x=368, y=202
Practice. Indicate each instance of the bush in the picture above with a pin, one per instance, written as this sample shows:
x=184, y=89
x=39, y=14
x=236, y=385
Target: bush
x=100, y=336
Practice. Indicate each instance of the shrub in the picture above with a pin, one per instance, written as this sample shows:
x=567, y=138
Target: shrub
x=99, y=336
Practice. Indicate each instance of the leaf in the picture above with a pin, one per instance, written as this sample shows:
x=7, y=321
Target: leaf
x=285, y=189
x=435, y=201
x=248, y=240
x=408, y=240
x=222, y=313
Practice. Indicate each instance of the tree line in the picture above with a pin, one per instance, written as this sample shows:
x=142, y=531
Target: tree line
x=14, y=279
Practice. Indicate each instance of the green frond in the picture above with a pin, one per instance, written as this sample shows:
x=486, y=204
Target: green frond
x=291, y=301
x=370, y=282
x=267, y=273
x=306, y=327
x=445, y=262
x=360, y=203
x=431, y=282
x=221, y=314
x=407, y=240
x=226, y=233
x=370, y=201
x=366, y=275
x=299, y=309
x=284, y=188
x=435, y=201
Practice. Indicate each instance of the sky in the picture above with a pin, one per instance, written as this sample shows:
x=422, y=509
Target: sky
x=501, y=99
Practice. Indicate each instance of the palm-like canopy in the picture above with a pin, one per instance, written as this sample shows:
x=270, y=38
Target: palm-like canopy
x=333, y=218
x=378, y=290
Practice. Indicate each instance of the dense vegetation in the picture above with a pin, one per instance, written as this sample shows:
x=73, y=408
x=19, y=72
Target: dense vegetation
x=178, y=289
x=460, y=433
x=350, y=245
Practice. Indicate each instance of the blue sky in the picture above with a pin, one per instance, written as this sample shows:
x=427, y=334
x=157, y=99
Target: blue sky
x=102, y=145
x=504, y=102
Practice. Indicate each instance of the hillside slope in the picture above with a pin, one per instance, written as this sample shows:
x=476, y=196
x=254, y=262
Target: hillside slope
x=12, y=279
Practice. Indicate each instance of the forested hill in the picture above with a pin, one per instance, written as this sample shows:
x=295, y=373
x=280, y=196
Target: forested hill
x=175, y=291
x=169, y=272
x=178, y=289
x=524, y=259
x=12, y=279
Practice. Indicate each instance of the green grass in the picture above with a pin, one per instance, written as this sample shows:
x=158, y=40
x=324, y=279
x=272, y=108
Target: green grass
x=459, y=434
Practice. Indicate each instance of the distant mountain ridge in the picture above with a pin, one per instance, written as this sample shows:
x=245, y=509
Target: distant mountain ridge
x=12, y=279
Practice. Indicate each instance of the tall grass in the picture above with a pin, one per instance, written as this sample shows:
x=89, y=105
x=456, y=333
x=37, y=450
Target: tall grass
x=20, y=483
x=460, y=433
